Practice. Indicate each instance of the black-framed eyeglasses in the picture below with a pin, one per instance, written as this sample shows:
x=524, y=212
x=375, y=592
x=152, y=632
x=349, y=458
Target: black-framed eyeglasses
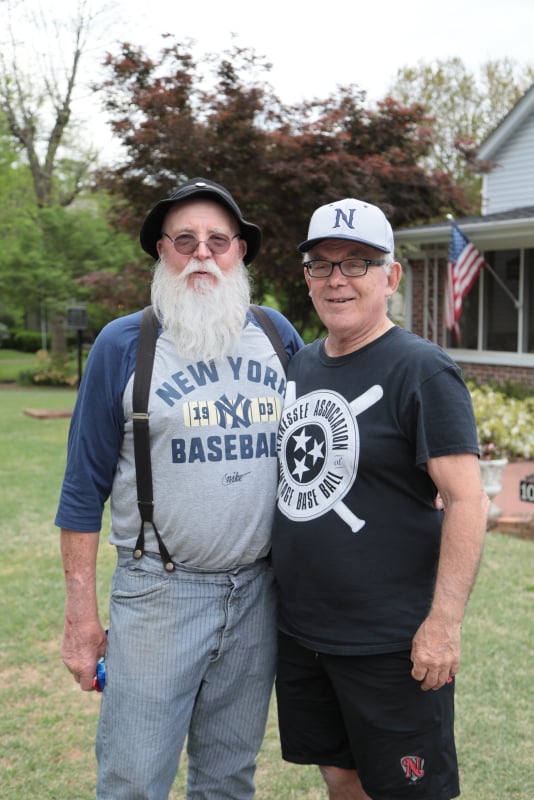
x=349, y=267
x=186, y=243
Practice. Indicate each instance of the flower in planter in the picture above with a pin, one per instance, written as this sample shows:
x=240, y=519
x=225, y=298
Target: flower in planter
x=489, y=451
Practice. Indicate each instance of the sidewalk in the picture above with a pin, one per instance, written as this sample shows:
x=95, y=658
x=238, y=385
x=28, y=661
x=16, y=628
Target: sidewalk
x=514, y=516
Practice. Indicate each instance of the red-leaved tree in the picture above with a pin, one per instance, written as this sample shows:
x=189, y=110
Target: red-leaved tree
x=280, y=162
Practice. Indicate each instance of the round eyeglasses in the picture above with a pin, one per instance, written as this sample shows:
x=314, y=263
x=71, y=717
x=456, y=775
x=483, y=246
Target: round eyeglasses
x=186, y=243
x=349, y=267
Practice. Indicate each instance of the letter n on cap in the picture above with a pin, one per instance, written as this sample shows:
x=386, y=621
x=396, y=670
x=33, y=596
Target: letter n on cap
x=340, y=214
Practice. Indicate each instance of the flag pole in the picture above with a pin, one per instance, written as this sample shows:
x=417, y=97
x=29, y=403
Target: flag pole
x=497, y=277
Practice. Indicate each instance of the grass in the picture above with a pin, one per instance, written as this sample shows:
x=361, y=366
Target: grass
x=17, y=367
x=13, y=362
x=47, y=725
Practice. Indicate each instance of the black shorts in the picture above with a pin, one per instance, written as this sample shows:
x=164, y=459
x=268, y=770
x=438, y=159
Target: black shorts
x=367, y=713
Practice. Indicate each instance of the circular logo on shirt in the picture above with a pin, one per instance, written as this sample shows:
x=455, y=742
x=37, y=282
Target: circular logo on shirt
x=318, y=448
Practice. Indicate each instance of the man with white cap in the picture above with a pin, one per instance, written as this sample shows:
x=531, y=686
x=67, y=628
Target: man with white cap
x=373, y=574
x=192, y=634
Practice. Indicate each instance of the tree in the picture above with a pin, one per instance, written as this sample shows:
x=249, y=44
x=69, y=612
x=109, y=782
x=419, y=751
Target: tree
x=47, y=251
x=280, y=162
x=463, y=109
x=36, y=97
x=43, y=253
x=15, y=196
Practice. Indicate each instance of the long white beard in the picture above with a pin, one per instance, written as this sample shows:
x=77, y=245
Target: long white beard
x=204, y=319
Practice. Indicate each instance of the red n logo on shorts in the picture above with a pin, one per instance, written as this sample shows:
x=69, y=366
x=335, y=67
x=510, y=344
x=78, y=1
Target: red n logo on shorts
x=413, y=767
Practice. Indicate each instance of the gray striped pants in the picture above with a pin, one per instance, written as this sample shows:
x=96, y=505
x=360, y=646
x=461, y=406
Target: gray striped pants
x=190, y=654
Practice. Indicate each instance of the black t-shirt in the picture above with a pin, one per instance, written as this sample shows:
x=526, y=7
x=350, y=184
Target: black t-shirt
x=356, y=534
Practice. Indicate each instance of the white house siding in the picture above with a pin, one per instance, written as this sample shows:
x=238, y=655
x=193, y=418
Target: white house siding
x=511, y=184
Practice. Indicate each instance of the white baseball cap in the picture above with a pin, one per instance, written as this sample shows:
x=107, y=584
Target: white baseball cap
x=353, y=220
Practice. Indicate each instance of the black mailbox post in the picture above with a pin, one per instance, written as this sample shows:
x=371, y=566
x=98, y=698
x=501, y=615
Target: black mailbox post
x=77, y=321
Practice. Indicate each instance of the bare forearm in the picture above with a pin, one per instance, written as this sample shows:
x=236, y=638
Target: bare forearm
x=84, y=639
x=462, y=541
x=436, y=646
x=79, y=553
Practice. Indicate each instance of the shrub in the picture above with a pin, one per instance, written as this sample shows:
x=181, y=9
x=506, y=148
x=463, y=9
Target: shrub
x=504, y=422
x=49, y=372
x=26, y=341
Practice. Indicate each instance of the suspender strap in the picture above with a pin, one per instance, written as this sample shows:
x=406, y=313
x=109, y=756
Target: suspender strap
x=272, y=332
x=146, y=347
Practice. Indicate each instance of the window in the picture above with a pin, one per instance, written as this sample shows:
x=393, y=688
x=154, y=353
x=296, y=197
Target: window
x=528, y=294
x=490, y=317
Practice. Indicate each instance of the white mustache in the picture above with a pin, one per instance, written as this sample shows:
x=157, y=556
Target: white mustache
x=196, y=265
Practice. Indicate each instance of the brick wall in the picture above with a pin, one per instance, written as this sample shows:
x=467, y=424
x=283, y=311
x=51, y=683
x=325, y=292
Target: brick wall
x=489, y=373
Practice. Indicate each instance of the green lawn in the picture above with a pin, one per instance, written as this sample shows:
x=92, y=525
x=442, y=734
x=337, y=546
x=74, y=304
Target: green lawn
x=47, y=725
x=12, y=362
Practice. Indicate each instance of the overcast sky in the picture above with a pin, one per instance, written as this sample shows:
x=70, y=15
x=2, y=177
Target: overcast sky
x=315, y=47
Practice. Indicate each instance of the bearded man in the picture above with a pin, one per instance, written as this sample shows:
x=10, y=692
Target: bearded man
x=190, y=650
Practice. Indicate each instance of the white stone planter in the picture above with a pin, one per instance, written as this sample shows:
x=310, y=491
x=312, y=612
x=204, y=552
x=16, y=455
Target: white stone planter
x=492, y=472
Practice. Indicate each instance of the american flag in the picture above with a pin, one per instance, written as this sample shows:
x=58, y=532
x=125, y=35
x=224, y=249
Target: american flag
x=465, y=263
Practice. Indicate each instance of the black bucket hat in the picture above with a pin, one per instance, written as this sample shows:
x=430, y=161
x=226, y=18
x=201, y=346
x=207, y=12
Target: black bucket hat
x=198, y=187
